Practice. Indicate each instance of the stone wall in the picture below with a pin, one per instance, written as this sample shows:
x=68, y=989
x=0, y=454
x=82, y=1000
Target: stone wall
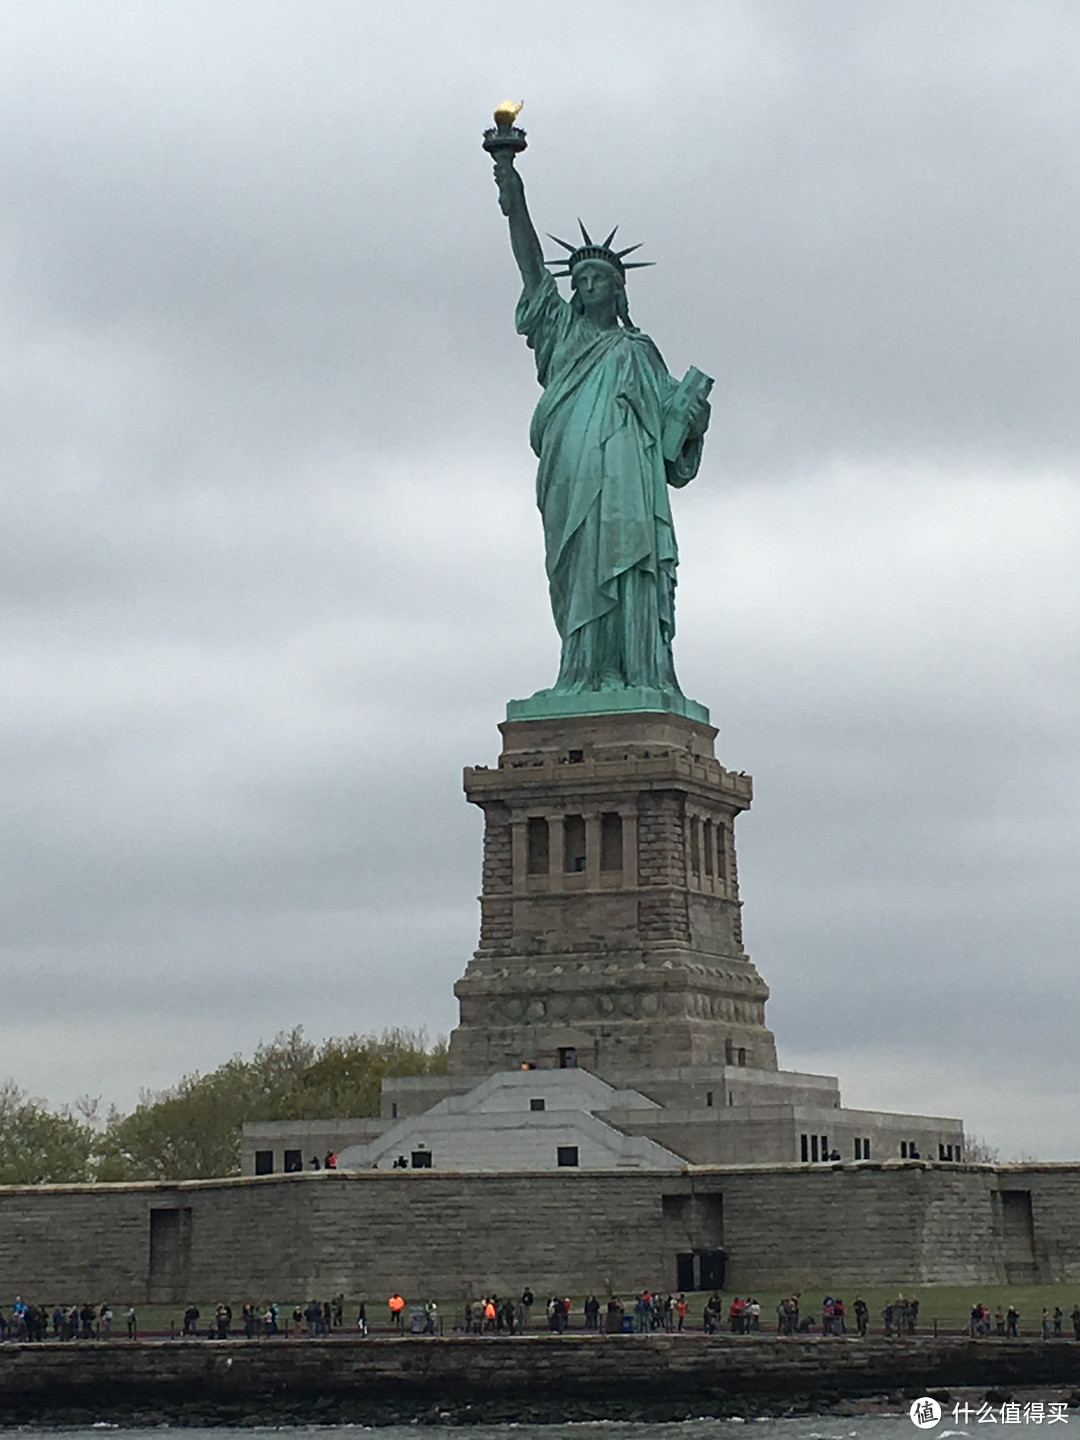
x=540, y=1378
x=772, y=1133
x=429, y=1232
x=862, y=1225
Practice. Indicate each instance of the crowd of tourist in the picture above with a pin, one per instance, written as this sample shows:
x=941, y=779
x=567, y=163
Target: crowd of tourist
x=495, y=1315
x=1007, y=1322
x=31, y=1322
x=263, y=1321
x=647, y=1312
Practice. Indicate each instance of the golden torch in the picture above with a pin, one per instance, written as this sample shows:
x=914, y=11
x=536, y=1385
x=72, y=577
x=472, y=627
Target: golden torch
x=505, y=135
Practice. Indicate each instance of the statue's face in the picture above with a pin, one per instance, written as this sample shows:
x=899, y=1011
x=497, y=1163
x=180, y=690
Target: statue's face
x=598, y=285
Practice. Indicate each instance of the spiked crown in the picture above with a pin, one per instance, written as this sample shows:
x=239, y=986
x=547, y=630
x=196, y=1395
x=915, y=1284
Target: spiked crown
x=589, y=250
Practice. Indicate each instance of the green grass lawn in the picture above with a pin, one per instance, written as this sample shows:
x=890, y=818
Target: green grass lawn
x=946, y=1305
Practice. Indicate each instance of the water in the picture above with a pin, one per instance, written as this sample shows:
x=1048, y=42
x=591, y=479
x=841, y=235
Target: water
x=861, y=1427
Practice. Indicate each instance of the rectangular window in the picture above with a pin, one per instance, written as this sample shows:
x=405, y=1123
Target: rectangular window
x=611, y=841
x=567, y=1155
x=293, y=1162
x=729, y=1051
x=573, y=844
x=567, y=1057
x=813, y=1147
x=804, y=1141
x=695, y=845
x=858, y=1148
x=903, y=1149
x=538, y=845
x=824, y=1147
x=264, y=1162
x=708, y=1098
x=393, y=1110
x=866, y=1147
x=421, y=1159
x=536, y=1104
x=742, y=1056
x=707, y=841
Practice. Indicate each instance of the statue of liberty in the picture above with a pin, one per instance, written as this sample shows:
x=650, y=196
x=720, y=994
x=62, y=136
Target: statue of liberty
x=612, y=430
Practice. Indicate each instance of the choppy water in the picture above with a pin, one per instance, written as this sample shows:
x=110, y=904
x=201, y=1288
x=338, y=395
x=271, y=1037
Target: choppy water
x=863, y=1427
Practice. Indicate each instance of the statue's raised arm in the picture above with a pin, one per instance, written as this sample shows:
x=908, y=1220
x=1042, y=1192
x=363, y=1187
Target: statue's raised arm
x=524, y=240
x=503, y=143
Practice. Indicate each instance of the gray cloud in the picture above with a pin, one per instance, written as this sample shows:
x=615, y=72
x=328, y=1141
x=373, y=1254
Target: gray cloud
x=269, y=566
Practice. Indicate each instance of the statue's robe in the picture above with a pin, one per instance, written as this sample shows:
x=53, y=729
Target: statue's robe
x=602, y=489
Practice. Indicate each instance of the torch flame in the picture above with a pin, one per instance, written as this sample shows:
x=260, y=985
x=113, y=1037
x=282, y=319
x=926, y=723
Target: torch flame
x=507, y=113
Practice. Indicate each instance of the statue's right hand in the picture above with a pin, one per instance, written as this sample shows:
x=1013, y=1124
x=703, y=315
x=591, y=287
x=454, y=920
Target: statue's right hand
x=508, y=181
x=504, y=167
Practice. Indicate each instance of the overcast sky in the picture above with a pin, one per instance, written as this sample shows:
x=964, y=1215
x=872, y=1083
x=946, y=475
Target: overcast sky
x=270, y=564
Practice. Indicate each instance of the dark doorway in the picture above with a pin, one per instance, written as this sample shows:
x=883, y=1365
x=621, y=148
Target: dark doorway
x=700, y=1270
x=712, y=1266
x=684, y=1272
x=568, y=1057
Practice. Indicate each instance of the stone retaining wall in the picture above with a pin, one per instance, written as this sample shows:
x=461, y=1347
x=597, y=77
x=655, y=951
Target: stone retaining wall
x=447, y=1235
x=546, y=1377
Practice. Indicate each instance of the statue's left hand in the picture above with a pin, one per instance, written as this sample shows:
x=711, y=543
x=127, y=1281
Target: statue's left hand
x=699, y=420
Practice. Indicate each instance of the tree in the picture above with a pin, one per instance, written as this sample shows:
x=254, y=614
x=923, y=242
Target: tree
x=192, y=1130
x=345, y=1077
x=39, y=1146
x=980, y=1151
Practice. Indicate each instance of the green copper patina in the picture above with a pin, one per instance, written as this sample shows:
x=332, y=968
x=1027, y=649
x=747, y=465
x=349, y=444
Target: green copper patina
x=613, y=430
